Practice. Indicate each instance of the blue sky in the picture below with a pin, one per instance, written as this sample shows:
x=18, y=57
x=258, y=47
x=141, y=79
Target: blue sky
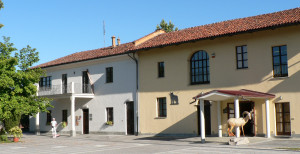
x=61, y=27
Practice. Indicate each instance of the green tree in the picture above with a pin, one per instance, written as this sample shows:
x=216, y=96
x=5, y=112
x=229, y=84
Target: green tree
x=17, y=83
x=1, y=6
x=166, y=27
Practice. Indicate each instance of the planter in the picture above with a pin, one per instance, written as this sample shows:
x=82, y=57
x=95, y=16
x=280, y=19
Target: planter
x=16, y=139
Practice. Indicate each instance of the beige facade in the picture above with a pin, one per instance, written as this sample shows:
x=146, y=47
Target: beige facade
x=182, y=118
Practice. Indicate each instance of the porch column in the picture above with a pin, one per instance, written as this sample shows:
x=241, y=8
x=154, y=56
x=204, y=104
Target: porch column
x=237, y=115
x=37, y=124
x=268, y=135
x=73, y=132
x=202, y=122
x=219, y=118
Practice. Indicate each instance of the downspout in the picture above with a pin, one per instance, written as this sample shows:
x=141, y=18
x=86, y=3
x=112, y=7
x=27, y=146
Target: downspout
x=137, y=88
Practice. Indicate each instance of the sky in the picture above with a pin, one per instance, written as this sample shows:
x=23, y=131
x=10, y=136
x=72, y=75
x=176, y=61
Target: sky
x=57, y=28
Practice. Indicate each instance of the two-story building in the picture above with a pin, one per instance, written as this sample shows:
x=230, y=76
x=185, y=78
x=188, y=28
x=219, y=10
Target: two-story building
x=220, y=70
x=92, y=91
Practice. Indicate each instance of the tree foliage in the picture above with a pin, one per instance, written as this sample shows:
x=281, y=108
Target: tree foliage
x=166, y=27
x=1, y=6
x=17, y=83
x=17, y=79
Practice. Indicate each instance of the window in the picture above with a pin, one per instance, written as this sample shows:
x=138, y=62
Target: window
x=280, y=65
x=45, y=83
x=110, y=114
x=283, y=122
x=199, y=68
x=64, y=79
x=109, y=74
x=65, y=116
x=85, y=82
x=162, y=107
x=161, y=69
x=49, y=117
x=241, y=57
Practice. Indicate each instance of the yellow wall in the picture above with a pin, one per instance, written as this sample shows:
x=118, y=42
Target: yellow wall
x=182, y=118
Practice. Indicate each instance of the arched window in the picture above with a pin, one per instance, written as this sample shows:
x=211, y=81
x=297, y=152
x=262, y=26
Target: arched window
x=200, y=68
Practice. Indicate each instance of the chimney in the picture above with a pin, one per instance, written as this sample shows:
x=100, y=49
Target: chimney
x=119, y=42
x=113, y=41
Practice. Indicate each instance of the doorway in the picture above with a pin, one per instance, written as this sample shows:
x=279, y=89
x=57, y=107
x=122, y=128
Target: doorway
x=130, y=118
x=249, y=128
x=283, y=123
x=206, y=117
x=85, y=121
x=64, y=79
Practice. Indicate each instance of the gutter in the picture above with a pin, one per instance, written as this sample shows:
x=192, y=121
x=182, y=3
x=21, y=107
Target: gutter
x=137, y=89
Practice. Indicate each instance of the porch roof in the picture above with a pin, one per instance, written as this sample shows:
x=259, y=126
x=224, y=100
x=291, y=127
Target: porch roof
x=218, y=95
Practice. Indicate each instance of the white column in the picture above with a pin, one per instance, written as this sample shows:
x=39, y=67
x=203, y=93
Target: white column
x=72, y=87
x=37, y=124
x=202, y=122
x=237, y=115
x=73, y=131
x=219, y=118
x=268, y=135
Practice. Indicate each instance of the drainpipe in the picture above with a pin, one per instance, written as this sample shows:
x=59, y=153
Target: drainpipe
x=137, y=88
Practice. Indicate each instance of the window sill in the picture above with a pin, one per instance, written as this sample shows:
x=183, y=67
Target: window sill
x=193, y=84
x=160, y=118
x=279, y=78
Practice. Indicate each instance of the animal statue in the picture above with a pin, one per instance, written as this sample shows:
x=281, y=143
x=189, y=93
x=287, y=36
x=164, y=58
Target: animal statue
x=238, y=122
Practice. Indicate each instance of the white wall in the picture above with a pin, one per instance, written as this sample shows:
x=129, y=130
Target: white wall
x=114, y=94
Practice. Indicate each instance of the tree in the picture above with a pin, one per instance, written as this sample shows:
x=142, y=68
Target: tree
x=166, y=27
x=1, y=6
x=17, y=83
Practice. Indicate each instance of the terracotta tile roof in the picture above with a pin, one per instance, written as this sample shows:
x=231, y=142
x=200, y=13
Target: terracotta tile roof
x=230, y=27
x=242, y=93
x=88, y=55
x=224, y=28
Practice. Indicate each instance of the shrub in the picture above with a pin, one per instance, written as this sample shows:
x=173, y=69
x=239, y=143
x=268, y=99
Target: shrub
x=16, y=132
x=3, y=138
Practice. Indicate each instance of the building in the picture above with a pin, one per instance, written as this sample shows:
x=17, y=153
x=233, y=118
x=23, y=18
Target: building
x=88, y=90
x=220, y=70
x=92, y=91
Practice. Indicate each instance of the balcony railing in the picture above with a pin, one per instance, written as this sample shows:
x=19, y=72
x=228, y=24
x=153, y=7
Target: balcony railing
x=70, y=88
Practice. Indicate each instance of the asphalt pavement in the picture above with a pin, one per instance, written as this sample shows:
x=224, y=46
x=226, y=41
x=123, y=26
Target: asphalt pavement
x=92, y=143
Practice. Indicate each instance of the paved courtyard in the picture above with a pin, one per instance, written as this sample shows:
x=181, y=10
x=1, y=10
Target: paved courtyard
x=144, y=144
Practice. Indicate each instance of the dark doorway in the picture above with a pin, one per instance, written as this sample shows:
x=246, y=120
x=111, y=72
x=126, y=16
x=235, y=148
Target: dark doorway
x=25, y=123
x=64, y=80
x=85, y=82
x=249, y=127
x=130, y=118
x=85, y=121
x=206, y=118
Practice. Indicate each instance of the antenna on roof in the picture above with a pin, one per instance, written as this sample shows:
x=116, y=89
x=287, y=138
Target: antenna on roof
x=104, y=32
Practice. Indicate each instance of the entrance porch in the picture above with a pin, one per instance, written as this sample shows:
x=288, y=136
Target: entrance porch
x=237, y=96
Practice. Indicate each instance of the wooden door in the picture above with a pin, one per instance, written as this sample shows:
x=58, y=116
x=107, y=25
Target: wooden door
x=130, y=118
x=85, y=121
x=283, y=123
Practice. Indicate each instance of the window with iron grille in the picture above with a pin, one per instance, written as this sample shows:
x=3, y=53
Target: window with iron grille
x=280, y=62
